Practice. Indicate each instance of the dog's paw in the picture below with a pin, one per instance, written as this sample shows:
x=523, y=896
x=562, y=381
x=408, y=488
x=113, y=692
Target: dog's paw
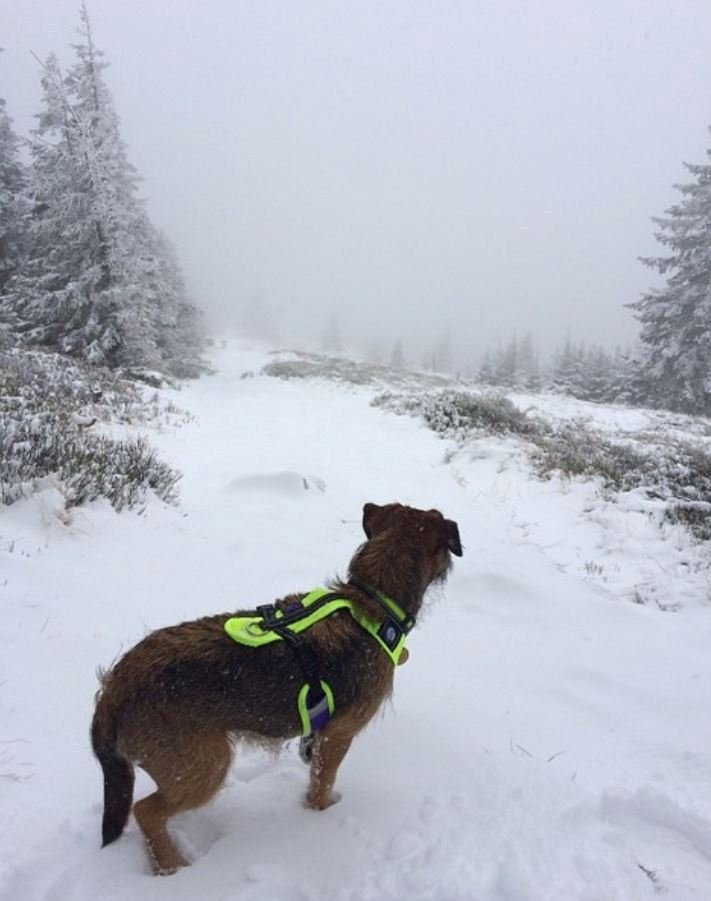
x=321, y=803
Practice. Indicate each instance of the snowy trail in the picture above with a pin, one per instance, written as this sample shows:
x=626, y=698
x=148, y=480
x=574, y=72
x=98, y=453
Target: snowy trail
x=548, y=740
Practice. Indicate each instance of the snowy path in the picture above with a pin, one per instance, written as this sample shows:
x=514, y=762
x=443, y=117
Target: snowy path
x=548, y=740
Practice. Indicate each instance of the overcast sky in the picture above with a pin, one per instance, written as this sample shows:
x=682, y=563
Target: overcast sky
x=485, y=167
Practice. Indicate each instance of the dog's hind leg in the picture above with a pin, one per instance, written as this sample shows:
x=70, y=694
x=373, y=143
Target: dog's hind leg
x=186, y=776
x=330, y=747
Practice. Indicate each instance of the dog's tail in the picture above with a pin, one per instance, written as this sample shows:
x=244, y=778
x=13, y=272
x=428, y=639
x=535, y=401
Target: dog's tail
x=118, y=772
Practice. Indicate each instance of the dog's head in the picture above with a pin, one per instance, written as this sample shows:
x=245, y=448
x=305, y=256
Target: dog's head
x=412, y=528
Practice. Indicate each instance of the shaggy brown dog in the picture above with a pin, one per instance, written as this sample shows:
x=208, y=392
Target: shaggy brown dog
x=174, y=703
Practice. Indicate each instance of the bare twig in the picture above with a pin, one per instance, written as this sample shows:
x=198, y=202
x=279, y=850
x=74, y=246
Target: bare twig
x=523, y=750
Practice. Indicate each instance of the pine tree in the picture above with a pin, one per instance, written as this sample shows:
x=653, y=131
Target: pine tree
x=597, y=375
x=486, y=370
x=507, y=363
x=13, y=218
x=178, y=323
x=99, y=282
x=13, y=204
x=676, y=319
x=528, y=373
x=568, y=376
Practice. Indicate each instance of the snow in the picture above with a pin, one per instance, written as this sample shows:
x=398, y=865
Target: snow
x=548, y=740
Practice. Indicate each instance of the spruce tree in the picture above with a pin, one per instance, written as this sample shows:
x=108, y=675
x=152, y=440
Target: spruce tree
x=99, y=282
x=676, y=319
x=597, y=375
x=13, y=219
x=507, y=364
x=13, y=205
x=567, y=376
x=486, y=372
x=528, y=374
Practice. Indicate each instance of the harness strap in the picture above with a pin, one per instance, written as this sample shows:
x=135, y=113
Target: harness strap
x=284, y=616
x=394, y=628
x=305, y=656
x=405, y=621
x=315, y=700
x=270, y=623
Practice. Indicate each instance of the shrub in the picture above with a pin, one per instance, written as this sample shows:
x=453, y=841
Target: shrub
x=460, y=414
x=46, y=406
x=339, y=369
x=665, y=466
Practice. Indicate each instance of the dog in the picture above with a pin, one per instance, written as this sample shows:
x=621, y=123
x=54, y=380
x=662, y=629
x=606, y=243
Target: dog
x=175, y=703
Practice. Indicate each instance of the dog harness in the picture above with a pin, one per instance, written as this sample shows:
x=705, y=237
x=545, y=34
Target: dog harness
x=269, y=623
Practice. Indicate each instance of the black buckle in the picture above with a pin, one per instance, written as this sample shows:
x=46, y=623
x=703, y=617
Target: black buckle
x=268, y=613
x=389, y=633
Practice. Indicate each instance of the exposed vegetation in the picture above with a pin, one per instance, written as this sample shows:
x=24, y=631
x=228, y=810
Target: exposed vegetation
x=338, y=369
x=666, y=467
x=460, y=414
x=50, y=410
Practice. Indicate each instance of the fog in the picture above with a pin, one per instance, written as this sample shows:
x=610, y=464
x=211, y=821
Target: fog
x=413, y=168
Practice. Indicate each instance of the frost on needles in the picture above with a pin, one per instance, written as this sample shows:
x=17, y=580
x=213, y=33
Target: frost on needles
x=676, y=319
x=97, y=280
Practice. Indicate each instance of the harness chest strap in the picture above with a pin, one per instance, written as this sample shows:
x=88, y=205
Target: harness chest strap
x=315, y=700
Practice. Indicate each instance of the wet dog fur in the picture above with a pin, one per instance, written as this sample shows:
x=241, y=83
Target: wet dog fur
x=174, y=703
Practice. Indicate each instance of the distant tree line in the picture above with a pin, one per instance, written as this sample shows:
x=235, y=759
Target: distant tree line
x=671, y=369
x=585, y=371
x=83, y=270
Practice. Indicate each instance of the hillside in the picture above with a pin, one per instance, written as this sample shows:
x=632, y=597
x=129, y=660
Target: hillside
x=548, y=739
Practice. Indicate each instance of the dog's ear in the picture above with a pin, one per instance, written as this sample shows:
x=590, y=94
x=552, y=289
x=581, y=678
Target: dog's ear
x=370, y=512
x=453, y=541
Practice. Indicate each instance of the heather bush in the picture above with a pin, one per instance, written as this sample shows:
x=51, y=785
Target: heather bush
x=666, y=467
x=47, y=407
x=461, y=414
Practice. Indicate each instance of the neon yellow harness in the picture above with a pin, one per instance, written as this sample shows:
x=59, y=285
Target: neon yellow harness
x=270, y=624
x=249, y=630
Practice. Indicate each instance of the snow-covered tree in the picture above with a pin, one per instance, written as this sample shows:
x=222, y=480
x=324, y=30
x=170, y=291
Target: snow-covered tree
x=13, y=219
x=676, y=319
x=528, y=375
x=178, y=322
x=568, y=373
x=486, y=371
x=99, y=283
x=514, y=365
x=506, y=366
x=13, y=204
x=597, y=374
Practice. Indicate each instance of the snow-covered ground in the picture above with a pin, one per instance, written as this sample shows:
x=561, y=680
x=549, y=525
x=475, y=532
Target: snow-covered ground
x=548, y=740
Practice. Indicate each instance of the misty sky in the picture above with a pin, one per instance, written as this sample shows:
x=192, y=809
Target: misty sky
x=485, y=167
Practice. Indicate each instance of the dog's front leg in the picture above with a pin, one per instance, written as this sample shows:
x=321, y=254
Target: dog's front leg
x=330, y=747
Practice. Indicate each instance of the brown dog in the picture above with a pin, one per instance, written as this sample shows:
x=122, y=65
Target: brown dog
x=174, y=703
